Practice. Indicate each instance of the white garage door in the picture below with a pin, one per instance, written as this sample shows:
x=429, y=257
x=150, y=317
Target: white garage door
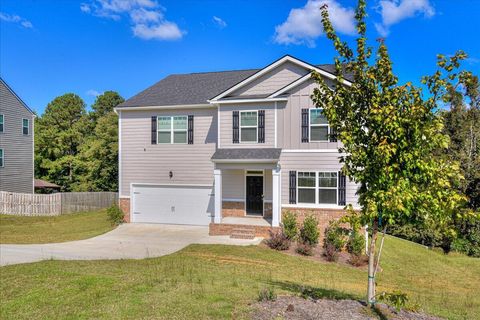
x=173, y=204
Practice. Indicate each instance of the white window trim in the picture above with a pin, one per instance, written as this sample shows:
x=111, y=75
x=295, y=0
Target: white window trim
x=28, y=126
x=3, y=158
x=172, y=130
x=3, y=122
x=317, y=189
x=316, y=125
x=246, y=127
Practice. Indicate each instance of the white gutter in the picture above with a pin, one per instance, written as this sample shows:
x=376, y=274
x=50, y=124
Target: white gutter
x=180, y=106
x=244, y=160
x=247, y=100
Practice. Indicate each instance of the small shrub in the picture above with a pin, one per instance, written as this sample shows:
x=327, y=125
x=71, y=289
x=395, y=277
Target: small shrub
x=267, y=294
x=356, y=243
x=334, y=241
x=309, y=232
x=289, y=225
x=278, y=240
x=115, y=215
x=304, y=249
x=396, y=299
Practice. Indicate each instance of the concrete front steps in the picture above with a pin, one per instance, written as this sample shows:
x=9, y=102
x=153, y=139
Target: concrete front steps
x=243, y=232
x=239, y=231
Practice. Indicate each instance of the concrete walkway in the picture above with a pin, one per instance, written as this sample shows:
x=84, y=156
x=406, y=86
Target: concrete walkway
x=128, y=241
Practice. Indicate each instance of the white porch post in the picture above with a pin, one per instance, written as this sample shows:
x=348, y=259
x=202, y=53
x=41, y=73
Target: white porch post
x=276, y=205
x=218, y=195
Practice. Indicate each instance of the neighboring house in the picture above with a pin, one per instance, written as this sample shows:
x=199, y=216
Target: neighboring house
x=16, y=142
x=224, y=148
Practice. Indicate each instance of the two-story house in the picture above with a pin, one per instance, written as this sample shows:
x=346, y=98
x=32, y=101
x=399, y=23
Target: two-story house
x=16, y=142
x=231, y=149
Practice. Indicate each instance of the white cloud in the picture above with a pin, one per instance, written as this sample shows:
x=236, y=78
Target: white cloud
x=93, y=93
x=219, y=22
x=304, y=25
x=146, y=17
x=394, y=11
x=16, y=19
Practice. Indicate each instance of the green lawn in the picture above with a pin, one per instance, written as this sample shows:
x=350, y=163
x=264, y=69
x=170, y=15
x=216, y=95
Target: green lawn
x=75, y=226
x=215, y=281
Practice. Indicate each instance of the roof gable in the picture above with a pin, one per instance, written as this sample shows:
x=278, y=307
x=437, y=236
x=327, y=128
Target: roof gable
x=3, y=83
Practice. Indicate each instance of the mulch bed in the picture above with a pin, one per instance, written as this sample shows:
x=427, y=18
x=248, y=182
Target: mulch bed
x=296, y=308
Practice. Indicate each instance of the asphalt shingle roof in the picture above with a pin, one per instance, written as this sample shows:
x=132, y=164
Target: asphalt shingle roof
x=247, y=154
x=194, y=88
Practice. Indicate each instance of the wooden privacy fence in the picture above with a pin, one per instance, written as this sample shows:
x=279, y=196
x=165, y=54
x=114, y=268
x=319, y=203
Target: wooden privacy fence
x=54, y=204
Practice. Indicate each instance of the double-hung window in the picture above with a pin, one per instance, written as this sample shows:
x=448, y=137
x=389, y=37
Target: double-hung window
x=2, y=157
x=318, y=125
x=172, y=129
x=2, y=122
x=25, y=126
x=317, y=187
x=248, y=126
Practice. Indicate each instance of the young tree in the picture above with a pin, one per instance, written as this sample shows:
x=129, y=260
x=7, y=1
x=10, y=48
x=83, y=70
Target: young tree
x=59, y=132
x=389, y=133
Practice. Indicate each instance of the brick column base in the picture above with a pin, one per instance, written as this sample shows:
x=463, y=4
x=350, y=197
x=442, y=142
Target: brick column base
x=124, y=204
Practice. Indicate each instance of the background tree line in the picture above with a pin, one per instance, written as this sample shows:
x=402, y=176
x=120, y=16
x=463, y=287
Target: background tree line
x=77, y=149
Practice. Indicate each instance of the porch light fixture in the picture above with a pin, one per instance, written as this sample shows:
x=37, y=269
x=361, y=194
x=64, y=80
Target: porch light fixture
x=170, y=174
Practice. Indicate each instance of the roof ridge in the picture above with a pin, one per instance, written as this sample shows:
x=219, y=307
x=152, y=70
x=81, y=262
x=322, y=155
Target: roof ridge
x=206, y=72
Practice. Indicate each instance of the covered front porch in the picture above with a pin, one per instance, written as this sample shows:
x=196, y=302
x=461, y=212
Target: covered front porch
x=247, y=189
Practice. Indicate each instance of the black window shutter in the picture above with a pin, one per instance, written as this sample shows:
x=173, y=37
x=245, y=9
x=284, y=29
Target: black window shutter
x=342, y=188
x=154, y=129
x=261, y=126
x=235, y=133
x=190, y=129
x=292, y=194
x=305, y=137
x=333, y=135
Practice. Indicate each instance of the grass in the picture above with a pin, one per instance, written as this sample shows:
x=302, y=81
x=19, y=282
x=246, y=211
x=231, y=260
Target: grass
x=219, y=282
x=75, y=226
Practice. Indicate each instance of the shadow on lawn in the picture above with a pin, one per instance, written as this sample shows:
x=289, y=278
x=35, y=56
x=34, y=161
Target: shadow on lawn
x=313, y=292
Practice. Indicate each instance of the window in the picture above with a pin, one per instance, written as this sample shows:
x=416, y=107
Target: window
x=317, y=187
x=318, y=125
x=248, y=126
x=2, y=123
x=327, y=187
x=172, y=129
x=2, y=157
x=25, y=126
x=306, y=187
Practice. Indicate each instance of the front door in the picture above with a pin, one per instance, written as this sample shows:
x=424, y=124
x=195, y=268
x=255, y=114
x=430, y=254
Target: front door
x=254, y=199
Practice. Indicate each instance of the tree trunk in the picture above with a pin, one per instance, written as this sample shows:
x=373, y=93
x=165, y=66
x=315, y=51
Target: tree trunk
x=371, y=265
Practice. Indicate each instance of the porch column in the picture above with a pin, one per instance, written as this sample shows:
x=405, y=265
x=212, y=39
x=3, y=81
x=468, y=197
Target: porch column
x=218, y=195
x=276, y=205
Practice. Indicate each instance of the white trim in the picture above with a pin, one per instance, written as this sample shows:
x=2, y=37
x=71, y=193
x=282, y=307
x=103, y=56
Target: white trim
x=123, y=197
x=119, y=153
x=247, y=127
x=237, y=101
x=314, y=206
x=276, y=196
x=176, y=107
x=232, y=200
x=244, y=161
x=218, y=201
x=218, y=127
x=28, y=127
x=169, y=184
x=33, y=154
x=275, y=137
x=310, y=150
x=273, y=66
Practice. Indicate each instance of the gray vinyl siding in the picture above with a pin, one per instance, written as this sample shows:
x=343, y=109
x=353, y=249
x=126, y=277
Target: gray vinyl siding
x=226, y=125
x=289, y=120
x=142, y=162
x=17, y=173
x=233, y=184
x=272, y=80
x=313, y=161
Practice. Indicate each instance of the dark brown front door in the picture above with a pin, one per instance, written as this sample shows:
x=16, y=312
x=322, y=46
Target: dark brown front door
x=254, y=195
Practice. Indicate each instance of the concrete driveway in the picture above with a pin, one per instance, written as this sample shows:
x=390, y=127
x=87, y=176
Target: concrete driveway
x=128, y=241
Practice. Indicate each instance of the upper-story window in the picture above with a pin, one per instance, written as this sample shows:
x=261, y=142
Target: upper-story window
x=248, y=126
x=2, y=122
x=2, y=157
x=25, y=126
x=318, y=125
x=172, y=129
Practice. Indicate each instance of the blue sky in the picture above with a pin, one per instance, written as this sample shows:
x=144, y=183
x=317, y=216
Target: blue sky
x=51, y=47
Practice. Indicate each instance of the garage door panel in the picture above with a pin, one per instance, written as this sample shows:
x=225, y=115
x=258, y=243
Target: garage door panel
x=173, y=204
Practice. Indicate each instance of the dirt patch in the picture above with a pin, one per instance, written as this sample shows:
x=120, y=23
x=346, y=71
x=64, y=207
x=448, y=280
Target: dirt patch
x=297, y=308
